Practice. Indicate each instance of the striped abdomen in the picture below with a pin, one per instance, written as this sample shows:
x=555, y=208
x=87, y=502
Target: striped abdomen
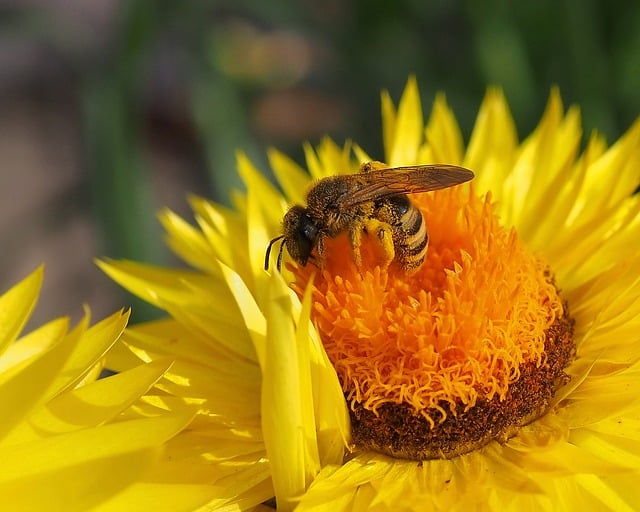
x=409, y=233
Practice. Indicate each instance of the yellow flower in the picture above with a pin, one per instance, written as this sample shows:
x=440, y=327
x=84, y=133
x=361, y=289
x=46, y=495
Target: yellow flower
x=66, y=440
x=502, y=375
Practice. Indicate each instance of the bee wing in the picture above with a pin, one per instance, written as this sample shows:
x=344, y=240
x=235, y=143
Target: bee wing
x=405, y=180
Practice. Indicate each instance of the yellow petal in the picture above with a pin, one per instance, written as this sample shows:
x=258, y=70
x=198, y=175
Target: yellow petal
x=624, y=426
x=293, y=180
x=224, y=220
x=201, y=443
x=122, y=357
x=201, y=302
x=552, y=159
x=252, y=317
x=607, y=496
x=32, y=345
x=265, y=208
x=243, y=489
x=33, y=382
x=625, y=485
x=386, y=489
x=16, y=305
x=218, y=223
x=336, y=486
x=83, y=467
x=156, y=284
x=262, y=229
x=443, y=133
x=548, y=151
x=607, y=240
x=230, y=395
x=388, y=123
x=565, y=195
x=287, y=414
x=79, y=446
x=255, y=180
x=616, y=244
x=90, y=405
x=333, y=159
x=563, y=458
x=409, y=127
x=493, y=144
x=611, y=178
x=187, y=485
x=165, y=496
x=599, y=398
x=313, y=162
x=611, y=310
x=96, y=341
x=361, y=154
x=78, y=488
x=330, y=408
x=229, y=338
x=168, y=338
x=189, y=243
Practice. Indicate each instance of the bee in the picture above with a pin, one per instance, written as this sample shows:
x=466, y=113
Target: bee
x=374, y=202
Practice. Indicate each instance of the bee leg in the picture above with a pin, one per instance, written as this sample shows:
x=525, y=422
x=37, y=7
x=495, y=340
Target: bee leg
x=320, y=251
x=355, y=239
x=382, y=232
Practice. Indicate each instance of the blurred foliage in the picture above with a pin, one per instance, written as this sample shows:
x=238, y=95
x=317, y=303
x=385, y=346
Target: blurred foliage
x=236, y=62
x=214, y=77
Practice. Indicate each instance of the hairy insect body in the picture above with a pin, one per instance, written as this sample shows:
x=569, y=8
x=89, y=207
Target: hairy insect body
x=408, y=231
x=373, y=202
x=326, y=204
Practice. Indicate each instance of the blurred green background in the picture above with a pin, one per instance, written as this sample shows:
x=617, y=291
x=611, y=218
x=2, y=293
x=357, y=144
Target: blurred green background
x=112, y=109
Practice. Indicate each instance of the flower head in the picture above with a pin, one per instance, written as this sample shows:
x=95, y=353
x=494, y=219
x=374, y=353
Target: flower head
x=484, y=379
x=67, y=440
x=477, y=336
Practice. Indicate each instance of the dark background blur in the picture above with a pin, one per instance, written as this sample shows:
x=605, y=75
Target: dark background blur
x=110, y=110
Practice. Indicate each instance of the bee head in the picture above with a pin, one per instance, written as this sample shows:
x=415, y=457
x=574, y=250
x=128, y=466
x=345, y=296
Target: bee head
x=300, y=233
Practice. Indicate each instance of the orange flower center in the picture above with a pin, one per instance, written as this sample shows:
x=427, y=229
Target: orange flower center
x=457, y=331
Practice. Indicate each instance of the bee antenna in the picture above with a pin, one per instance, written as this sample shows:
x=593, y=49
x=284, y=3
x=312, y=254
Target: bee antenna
x=268, y=253
x=279, y=263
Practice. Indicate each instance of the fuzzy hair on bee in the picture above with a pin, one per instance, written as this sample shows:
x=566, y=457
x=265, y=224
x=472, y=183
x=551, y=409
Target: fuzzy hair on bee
x=374, y=201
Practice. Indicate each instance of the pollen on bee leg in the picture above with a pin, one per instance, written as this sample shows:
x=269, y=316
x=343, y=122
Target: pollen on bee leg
x=381, y=231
